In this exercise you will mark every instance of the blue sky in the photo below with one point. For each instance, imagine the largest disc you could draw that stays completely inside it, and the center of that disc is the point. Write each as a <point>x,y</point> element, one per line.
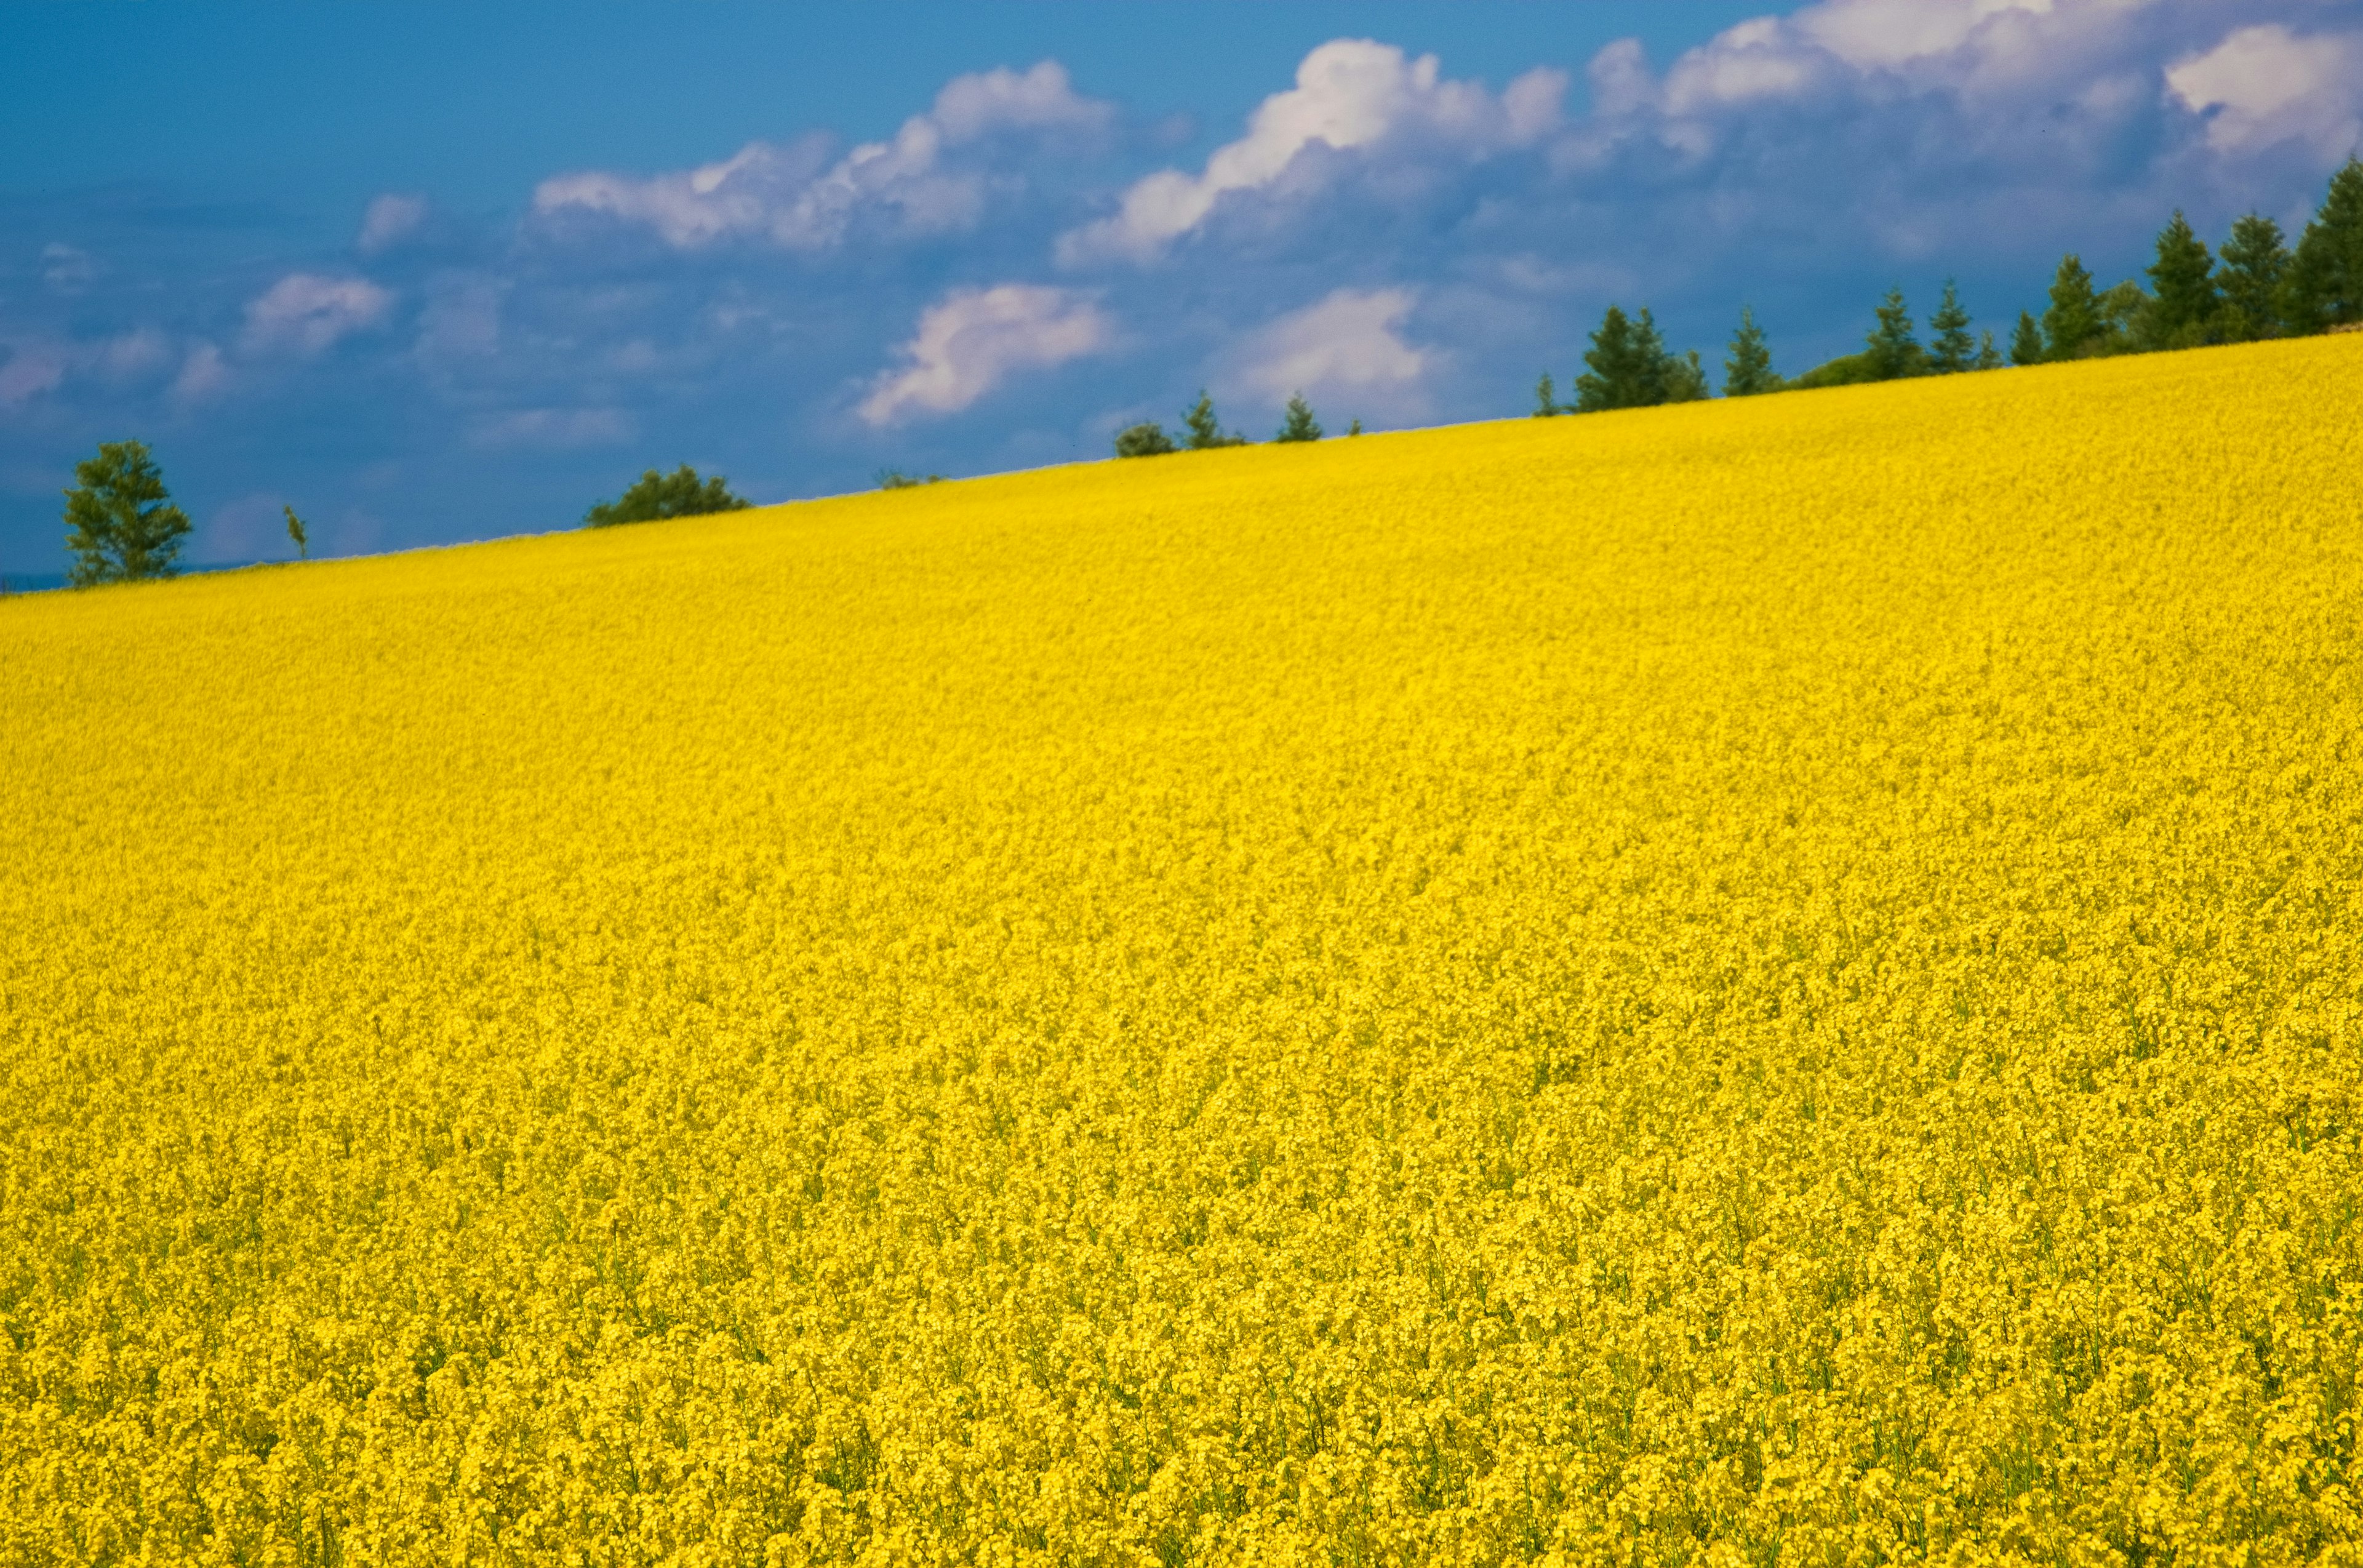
<point>440,273</point>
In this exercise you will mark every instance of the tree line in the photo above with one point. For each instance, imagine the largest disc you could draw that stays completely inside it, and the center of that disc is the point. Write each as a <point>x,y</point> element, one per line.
<point>2256,286</point>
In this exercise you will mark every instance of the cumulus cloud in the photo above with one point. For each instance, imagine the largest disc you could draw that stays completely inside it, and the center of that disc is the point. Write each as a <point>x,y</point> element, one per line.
<point>1348,341</point>
<point>2266,85</point>
<point>202,374</point>
<point>306,313</point>
<point>555,429</point>
<point>801,199</point>
<point>29,371</point>
<point>66,268</point>
<point>1349,94</point>
<point>390,219</point>
<point>971,340</point>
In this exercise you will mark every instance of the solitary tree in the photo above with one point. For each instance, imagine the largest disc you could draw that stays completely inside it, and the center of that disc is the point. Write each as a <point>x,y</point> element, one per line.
<point>2324,285</point>
<point>1546,399</point>
<point>656,496</point>
<point>2072,324</point>
<point>1891,350</point>
<point>2183,277</point>
<point>1748,369</point>
<point>1144,440</point>
<point>1300,425</point>
<point>1950,348</point>
<point>1356,427</point>
<point>1205,430</point>
<point>2255,262</point>
<point>121,524</point>
<point>295,531</point>
<point>2027,341</point>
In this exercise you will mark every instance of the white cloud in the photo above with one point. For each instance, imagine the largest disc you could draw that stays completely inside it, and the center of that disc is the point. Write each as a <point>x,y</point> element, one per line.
<point>29,371</point>
<point>802,201</point>
<point>66,268</point>
<point>2265,84</point>
<point>971,340</point>
<point>390,219</point>
<point>202,374</point>
<point>555,429</point>
<point>306,313</point>
<point>1348,341</point>
<point>1350,93</point>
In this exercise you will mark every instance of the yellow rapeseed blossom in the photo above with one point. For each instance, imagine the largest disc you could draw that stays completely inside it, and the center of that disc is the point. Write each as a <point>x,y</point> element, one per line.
<point>1778,981</point>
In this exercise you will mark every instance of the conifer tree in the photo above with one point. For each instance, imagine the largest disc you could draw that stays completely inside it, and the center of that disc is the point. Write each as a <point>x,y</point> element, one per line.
<point>2073,321</point>
<point>121,523</point>
<point>2183,281</point>
<point>1748,369</point>
<point>1299,424</point>
<point>295,531</point>
<point>2324,284</point>
<point>2256,262</point>
<point>1951,349</point>
<point>1988,357</point>
<point>2027,341</point>
<point>1686,378</point>
<point>1546,399</point>
<point>1653,367</point>
<point>1205,430</point>
<point>1892,351</point>
<point>1610,366</point>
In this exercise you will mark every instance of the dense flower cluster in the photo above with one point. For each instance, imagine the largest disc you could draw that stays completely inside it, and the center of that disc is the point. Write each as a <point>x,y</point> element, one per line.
<point>1751,982</point>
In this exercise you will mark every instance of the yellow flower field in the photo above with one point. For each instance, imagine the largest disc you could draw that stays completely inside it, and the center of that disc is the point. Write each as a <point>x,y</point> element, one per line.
<point>1778,981</point>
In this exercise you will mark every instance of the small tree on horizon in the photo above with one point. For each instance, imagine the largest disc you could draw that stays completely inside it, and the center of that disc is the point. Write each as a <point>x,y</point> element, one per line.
<point>1988,357</point>
<point>1748,368</point>
<point>2027,340</point>
<point>657,497</point>
<point>121,524</point>
<point>2073,323</point>
<point>1950,348</point>
<point>1299,424</point>
<point>1546,399</point>
<point>1627,366</point>
<point>2186,304</point>
<point>295,531</point>
<point>1205,430</point>
<point>2254,264</point>
<point>1891,350</point>
<point>1144,440</point>
<point>2324,287</point>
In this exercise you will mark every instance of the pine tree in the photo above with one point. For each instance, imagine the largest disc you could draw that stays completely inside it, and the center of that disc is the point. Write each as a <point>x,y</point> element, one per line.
<point>2184,279</point>
<point>1988,357</point>
<point>121,523</point>
<point>1685,379</point>
<point>1299,424</point>
<point>1893,351</point>
<point>295,531</point>
<point>1951,349</point>
<point>2324,285</point>
<point>1748,369</point>
<point>2256,262</point>
<point>1205,430</point>
<point>2026,342</point>
<point>1356,427</point>
<point>1546,399</point>
<point>1611,373</point>
<point>1653,367</point>
<point>2073,321</point>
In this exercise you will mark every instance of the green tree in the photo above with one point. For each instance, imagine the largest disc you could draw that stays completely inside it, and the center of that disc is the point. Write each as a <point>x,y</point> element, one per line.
<point>657,497</point>
<point>2255,262</point>
<point>2071,326</point>
<point>1891,349</point>
<point>2127,316</point>
<point>2027,341</point>
<point>1546,399</point>
<point>1988,357</point>
<point>1748,368</point>
<point>1950,348</point>
<point>1299,424</point>
<point>1205,430</point>
<point>1686,378</point>
<point>121,524</point>
<point>1655,366</point>
<point>2324,284</point>
<point>295,531</point>
<point>1144,440</point>
<point>1627,366</point>
<point>2184,279</point>
<point>1356,427</point>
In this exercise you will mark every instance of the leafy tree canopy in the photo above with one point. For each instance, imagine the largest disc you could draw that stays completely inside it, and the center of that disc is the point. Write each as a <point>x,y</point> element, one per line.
<point>121,524</point>
<point>657,497</point>
<point>1143,440</point>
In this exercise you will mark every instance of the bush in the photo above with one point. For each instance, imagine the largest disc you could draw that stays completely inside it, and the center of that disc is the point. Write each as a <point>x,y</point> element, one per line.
<point>895,479</point>
<point>657,497</point>
<point>1144,440</point>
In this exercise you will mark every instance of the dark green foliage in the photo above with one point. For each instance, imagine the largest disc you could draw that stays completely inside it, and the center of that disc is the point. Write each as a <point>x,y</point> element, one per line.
<point>895,479</point>
<point>1546,399</point>
<point>1950,348</point>
<point>657,497</point>
<point>1988,357</point>
<point>2027,341</point>
<point>1205,430</point>
<point>296,531</point>
<point>1355,428</point>
<point>2184,279</point>
<point>2126,314</point>
<point>1892,350</point>
<point>2324,284</point>
<point>1748,369</point>
<point>1299,424</point>
<point>121,524</point>
<point>1848,370</point>
<point>1627,366</point>
<point>2255,262</point>
<point>1144,440</point>
<point>1686,378</point>
<point>2071,326</point>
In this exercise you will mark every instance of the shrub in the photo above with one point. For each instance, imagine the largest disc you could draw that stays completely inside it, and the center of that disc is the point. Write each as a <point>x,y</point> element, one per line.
<point>657,497</point>
<point>1144,440</point>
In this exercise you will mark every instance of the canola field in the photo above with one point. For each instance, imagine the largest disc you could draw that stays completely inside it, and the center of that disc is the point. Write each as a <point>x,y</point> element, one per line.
<point>1773,982</point>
